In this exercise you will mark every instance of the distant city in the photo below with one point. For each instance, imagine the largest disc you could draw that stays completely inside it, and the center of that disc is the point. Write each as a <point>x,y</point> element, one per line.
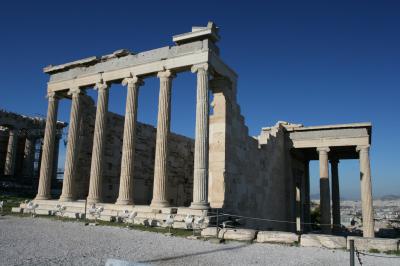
<point>386,213</point>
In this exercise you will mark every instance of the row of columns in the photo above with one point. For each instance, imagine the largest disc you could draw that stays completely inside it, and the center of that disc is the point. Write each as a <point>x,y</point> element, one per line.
<point>28,155</point>
<point>125,196</point>
<point>325,192</point>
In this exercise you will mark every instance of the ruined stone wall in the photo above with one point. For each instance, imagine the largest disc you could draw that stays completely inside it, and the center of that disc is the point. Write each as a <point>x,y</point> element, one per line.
<point>249,176</point>
<point>180,164</point>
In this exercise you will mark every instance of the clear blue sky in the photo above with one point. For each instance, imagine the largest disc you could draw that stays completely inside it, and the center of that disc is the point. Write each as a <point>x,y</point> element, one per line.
<point>310,62</point>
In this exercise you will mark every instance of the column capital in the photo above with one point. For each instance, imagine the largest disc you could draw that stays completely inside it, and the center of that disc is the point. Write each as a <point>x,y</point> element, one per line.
<point>132,81</point>
<point>167,74</point>
<point>75,91</point>
<point>52,96</point>
<point>362,148</point>
<point>196,68</point>
<point>101,86</point>
<point>323,149</point>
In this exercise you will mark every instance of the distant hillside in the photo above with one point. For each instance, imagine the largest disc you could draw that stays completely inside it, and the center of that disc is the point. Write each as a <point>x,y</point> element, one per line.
<point>385,198</point>
<point>390,197</point>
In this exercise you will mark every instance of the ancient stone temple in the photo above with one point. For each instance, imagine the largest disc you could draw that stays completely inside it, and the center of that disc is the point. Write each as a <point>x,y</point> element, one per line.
<point>121,164</point>
<point>21,147</point>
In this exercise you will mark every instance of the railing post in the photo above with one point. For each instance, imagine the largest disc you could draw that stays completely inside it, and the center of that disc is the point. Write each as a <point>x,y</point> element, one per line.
<point>351,252</point>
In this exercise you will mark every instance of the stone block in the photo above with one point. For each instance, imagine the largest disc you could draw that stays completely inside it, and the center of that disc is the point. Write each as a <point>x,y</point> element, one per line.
<point>326,241</point>
<point>310,240</point>
<point>277,237</point>
<point>367,243</point>
<point>238,234</point>
<point>209,232</point>
<point>17,210</point>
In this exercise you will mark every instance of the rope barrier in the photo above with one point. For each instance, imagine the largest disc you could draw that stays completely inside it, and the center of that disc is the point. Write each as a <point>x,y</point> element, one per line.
<point>378,256</point>
<point>276,221</point>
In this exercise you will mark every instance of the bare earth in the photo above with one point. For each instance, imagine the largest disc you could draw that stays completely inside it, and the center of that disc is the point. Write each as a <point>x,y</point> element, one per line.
<point>39,241</point>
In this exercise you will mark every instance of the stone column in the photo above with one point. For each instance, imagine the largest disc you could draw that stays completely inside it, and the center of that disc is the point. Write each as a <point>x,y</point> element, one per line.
<point>307,201</point>
<point>335,195</point>
<point>366,192</point>
<point>46,165</point>
<point>29,156</point>
<point>160,197</point>
<point>200,200</point>
<point>325,197</point>
<point>125,195</point>
<point>96,170</point>
<point>298,208</point>
<point>56,153</point>
<point>9,166</point>
<point>71,158</point>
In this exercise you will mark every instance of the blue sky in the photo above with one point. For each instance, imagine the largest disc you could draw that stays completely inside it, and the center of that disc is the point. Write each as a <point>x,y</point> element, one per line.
<point>310,62</point>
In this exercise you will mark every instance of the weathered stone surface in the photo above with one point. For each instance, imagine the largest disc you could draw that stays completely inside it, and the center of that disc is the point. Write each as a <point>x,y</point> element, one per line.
<point>310,240</point>
<point>367,243</point>
<point>238,234</point>
<point>277,237</point>
<point>327,241</point>
<point>209,232</point>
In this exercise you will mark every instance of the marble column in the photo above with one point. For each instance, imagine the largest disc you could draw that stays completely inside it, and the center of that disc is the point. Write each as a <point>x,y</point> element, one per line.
<point>366,192</point>
<point>335,195</point>
<point>325,197</point>
<point>29,156</point>
<point>9,167</point>
<point>96,170</point>
<point>46,165</point>
<point>125,195</point>
<point>200,178</point>
<point>71,158</point>
<point>307,201</point>
<point>160,197</point>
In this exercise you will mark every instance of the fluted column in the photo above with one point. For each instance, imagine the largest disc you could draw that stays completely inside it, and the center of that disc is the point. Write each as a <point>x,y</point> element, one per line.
<point>200,178</point>
<point>325,196</point>
<point>160,198</point>
<point>46,165</point>
<point>71,159</point>
<point>335,195</point>
<point>29,156</point>
<point>96,170</point>
<point>125,195</point>
<point>9,167</point>
<point>366,192</point>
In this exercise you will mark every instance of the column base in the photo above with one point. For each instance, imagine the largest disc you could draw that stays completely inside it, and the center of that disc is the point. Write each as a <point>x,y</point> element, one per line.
<point>41,197</point>
<point>66,198</point>
<point>124,202</point>
<point>159,203</point>
<point>200,205</point>
<point>93,200</point>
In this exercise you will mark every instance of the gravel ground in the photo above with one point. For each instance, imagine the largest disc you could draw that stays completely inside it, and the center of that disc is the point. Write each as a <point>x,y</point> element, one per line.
<point>40,241</point>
